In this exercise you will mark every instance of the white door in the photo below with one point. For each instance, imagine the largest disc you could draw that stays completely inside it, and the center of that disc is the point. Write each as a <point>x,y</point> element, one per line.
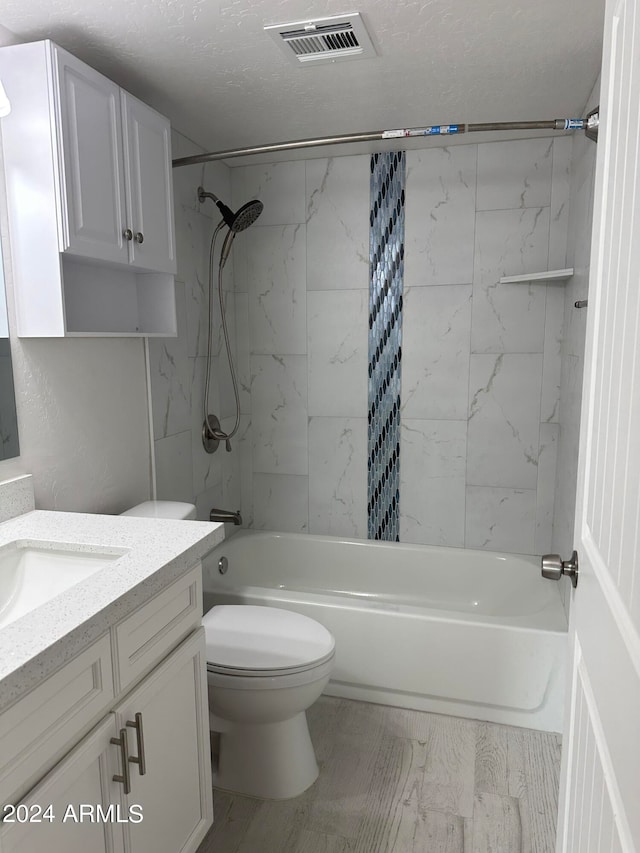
<point>600,781</point>
<point>94,203</point>
<point>172,731</point>
<point>85,777</point>
<point>150,186</point>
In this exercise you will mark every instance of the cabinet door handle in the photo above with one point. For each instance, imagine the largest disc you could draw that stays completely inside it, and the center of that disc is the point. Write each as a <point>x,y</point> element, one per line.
<point>127,234</point>
<point>125,778</point>
<point>138,759</point>
<point>139,237</point>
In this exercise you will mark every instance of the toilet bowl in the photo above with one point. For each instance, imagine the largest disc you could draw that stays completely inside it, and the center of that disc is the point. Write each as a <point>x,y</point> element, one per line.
<point>265,667</point>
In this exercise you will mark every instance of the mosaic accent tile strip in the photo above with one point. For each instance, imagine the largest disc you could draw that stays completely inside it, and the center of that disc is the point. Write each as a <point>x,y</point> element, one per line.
<point>386,273</point>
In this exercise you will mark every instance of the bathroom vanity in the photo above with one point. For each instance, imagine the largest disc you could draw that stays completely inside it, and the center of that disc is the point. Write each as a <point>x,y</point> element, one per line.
<point>104,735</point>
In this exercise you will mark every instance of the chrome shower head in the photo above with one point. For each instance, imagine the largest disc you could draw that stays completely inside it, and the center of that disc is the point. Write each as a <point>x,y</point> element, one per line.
<point>240,220</point>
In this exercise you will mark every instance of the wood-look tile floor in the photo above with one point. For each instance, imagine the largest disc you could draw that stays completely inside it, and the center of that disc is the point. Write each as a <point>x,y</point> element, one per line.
<point>398,781</point>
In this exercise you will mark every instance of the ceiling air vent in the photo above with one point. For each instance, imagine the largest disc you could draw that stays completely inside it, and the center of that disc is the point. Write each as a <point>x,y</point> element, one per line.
<point>324,39</point>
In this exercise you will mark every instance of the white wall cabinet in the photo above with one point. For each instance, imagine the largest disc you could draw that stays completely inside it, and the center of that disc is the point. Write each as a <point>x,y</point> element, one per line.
<point>150,186</point>
<point>93,207</point>
<point>150,750</point>
<point>90,198</point>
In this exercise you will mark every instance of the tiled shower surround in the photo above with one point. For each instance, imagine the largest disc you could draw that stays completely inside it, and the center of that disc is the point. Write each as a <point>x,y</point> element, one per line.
<point>480,360</point>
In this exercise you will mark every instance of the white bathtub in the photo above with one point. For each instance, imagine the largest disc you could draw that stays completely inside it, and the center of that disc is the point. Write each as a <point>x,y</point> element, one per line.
<point>471,633</point>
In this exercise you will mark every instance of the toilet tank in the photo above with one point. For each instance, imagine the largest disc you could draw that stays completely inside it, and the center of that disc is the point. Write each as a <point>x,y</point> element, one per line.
<point>163,509</point>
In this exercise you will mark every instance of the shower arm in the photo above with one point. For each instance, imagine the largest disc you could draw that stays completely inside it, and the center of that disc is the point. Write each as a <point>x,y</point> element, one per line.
<point>589,124</point>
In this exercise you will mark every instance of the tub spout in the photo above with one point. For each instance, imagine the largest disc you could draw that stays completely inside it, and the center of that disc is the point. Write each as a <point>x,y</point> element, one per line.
<point>225,515</point>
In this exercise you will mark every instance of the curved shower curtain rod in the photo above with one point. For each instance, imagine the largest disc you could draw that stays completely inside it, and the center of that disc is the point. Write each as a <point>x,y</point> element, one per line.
<point>588,124</point>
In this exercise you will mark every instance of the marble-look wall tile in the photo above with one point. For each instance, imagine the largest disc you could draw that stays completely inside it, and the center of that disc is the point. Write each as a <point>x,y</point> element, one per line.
<point>192,232</point>
<point>338,476</point>
<point>245,452</point>
<point>552,355</point>
<point>432,481</point>
<point>509,317</point>
<point>337,198</point>
<point>567,463</point>
<point>547,461</point>
<point>174,481</point>
<point>504,411</point>
<point>276,268</point>
<point>440,216</point>
<point>501,519</point>
<point>206,466</point>
<point>192,229</point>
<point>243,351</point>
<point>170,377</point>
<point>230,467</point>
<point>560,194</point>
<point>225,383</point>
<point>514,174</point>
<point>279,186</point>
<point>279,414</point>
<point>281,502</point>
<point>239,254</point>
<point>337,326</point>
<point>205,501</point>
<point>435,352</point>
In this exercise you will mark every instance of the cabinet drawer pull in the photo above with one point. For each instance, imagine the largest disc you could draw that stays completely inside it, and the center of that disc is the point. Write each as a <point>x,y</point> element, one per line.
<point>138,759</point>
<point>125,778</point>
<point>127,234</point>
<point>139,237</point>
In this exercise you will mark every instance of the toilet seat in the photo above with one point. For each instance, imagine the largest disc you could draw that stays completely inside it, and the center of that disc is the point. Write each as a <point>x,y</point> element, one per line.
<point>233,679</point>
<point>264,642</point>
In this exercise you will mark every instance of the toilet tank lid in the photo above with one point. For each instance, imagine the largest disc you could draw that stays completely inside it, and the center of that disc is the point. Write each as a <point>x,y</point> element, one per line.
<point>163,509</point>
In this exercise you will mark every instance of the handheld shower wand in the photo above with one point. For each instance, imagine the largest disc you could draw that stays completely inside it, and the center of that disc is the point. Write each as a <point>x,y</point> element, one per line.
<point>212,434</point>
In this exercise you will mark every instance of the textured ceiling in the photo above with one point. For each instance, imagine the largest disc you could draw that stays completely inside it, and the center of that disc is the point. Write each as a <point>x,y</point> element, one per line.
<point>223,82</point>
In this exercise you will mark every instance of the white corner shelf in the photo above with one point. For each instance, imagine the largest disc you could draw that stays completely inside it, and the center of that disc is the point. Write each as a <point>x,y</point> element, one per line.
<point>549,275</point>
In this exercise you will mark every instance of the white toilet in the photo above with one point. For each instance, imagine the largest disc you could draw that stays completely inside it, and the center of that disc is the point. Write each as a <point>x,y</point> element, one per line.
<point>265,667</point>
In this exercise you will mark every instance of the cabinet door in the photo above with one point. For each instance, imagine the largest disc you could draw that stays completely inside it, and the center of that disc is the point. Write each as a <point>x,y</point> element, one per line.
<point>149,186</point>
<point>175,793</point>
<point>92,162</point>
<point>84,778</point>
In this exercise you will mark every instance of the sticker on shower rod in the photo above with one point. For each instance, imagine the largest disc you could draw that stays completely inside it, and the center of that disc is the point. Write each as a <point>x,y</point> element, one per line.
<point>386,273</point>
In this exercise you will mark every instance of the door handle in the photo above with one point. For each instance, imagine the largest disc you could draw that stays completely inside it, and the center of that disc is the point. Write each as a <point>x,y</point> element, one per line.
<point>554,568</point>
<point>125,777</point>
<point>138,759</point>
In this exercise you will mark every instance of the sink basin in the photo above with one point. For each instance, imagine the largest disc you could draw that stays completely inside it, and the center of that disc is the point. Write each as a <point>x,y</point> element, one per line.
<point>32,574</point>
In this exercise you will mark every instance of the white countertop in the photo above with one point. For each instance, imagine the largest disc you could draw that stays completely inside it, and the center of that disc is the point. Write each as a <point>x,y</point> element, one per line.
<point>158,552</point>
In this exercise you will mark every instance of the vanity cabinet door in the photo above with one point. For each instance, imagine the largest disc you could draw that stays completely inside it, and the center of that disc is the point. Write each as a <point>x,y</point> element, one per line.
<point>172,731</point>
<point>83,778</point>
<point>149,186</point>
<point>93,205</point>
